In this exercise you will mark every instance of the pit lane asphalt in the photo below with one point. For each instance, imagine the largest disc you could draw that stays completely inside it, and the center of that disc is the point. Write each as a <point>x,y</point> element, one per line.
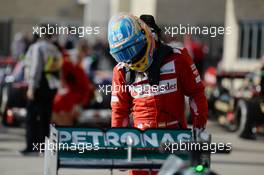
<point>246,158</point>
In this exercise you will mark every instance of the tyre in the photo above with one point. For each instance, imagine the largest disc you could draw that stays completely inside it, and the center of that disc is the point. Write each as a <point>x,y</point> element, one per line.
<point>4,104</point>
<point>240,118</point>
<point>248,119</point>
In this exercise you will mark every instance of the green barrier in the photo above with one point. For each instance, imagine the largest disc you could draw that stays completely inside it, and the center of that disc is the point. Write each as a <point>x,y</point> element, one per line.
<point>115,148</point>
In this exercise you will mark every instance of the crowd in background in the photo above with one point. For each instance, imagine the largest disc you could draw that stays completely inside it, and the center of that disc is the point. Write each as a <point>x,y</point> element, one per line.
<point>61,77</point>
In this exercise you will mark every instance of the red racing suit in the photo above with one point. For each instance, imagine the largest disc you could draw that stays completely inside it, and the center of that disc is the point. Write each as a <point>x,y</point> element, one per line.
<point>162,106</point>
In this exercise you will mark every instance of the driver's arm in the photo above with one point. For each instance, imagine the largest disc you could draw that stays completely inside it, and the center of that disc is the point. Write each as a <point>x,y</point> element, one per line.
<point>121,100</point>
<point>193,87</point>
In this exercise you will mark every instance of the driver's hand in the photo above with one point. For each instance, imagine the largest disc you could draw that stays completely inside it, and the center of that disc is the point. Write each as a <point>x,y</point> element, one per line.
<point>201,134</point>
<point>198,132</point>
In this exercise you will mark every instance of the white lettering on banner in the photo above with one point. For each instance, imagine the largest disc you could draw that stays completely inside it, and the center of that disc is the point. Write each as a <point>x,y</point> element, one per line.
<point>145,90</point>
<point>183,137</point>
<point>115,139</point>
<point>167,138</point>
<point>136,139</point>
<point>65,136</point>
<point>95,135</point>
<point>153,140</point>
<point>78,137</point>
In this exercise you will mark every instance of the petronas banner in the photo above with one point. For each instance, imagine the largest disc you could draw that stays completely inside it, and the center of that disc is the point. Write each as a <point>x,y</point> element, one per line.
<point>117,137</point>
<point>114,148</point>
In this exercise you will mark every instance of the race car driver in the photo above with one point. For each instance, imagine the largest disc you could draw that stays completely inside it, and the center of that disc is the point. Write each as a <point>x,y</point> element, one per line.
<point>151,79</point>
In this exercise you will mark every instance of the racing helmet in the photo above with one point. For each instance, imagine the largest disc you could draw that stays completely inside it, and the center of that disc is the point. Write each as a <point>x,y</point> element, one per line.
<point>131,41</point>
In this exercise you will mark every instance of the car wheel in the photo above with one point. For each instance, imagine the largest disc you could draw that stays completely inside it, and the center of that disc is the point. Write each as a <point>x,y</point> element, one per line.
<point>241,116</point>
<point>4,105</point>
<point>4,100</point>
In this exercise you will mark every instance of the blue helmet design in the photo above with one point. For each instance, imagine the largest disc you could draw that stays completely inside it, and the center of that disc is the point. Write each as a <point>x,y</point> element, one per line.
<point>126,37</point>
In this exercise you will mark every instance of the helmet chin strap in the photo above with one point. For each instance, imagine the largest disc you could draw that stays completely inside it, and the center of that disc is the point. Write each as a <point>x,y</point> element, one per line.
<point>147,67</point>
<point>153,70</point>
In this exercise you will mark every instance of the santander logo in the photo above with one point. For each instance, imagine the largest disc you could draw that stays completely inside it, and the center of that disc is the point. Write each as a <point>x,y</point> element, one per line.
<point>169,86</point>
<point>145,90</point>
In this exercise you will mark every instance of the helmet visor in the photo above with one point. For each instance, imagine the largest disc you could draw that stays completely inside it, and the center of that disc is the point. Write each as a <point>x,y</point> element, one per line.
<point>129,54</point>
<point>140,62</point>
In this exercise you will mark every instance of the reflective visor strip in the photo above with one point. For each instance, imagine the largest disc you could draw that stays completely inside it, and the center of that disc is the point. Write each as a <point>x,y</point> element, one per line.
<point>129,53</point>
